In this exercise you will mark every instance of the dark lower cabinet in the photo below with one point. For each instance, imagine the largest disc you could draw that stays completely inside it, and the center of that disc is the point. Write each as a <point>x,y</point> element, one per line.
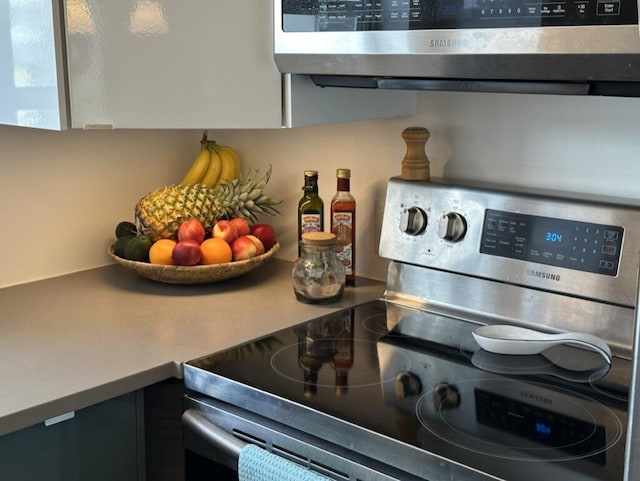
<point>163,431</point>
<point>134,437</point>
<point>104,442</point>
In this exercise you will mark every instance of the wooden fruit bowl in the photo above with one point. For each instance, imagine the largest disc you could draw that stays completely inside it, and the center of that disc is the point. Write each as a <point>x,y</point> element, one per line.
<point>194,274</point>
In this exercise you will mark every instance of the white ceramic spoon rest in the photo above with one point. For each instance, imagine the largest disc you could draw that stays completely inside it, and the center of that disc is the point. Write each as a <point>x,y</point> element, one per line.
<point>507,339</point>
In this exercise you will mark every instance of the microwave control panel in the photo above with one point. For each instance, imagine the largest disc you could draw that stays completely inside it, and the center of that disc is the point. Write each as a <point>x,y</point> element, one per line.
<point>404,15</point>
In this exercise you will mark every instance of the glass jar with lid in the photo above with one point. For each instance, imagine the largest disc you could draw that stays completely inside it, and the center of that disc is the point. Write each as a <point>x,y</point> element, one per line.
<point>318,275</point>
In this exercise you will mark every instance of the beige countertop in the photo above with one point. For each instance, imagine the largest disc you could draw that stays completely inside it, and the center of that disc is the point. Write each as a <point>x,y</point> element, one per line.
<point>79,339</point>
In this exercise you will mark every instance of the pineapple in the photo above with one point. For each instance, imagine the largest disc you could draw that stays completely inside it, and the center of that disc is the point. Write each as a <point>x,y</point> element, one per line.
<point>159,213</point>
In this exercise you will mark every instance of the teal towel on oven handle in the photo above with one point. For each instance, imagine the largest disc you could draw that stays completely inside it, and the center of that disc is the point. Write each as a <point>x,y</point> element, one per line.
<point>257,464</point>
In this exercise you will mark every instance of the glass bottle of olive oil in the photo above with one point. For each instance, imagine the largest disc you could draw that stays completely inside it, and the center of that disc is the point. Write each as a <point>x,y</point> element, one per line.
<point>310,207</point>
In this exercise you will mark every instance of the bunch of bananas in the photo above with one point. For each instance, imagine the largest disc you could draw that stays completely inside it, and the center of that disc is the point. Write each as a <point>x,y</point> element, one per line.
<point>213,165</point>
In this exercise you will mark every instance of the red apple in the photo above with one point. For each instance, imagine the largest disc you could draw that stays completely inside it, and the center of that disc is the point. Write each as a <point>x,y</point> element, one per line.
<point>243,248</point>
<point>265,233</point>
<point>225,229</point>
<point>242,225</point>
<point>258,243</point>
<point>191,229</point>
<point>186,253</point>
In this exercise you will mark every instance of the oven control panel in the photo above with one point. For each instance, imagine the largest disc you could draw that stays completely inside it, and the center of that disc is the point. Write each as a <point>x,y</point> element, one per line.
<point>565,242</point>
<point>556,242</point>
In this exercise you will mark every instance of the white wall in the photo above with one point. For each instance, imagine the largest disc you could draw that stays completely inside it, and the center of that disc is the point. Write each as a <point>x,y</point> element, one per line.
<point>62,193</point>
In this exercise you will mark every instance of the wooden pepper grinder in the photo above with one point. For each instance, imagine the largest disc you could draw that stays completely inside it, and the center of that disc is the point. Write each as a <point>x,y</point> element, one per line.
<point>415,165</point>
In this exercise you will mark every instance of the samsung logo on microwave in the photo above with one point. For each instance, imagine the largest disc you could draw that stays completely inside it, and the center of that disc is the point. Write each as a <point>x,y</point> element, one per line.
<point>448,43</point>
<point>543,275</point>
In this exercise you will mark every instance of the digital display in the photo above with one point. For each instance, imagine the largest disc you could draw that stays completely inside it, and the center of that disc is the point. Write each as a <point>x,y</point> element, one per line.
<point>553,237</point>
<point>543,428</point>
<point>565,243</point>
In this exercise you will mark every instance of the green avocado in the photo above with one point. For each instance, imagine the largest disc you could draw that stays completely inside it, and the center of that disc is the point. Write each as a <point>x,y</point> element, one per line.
<point>119,245</point>
<point>137,249</point>
<point>126,228</point>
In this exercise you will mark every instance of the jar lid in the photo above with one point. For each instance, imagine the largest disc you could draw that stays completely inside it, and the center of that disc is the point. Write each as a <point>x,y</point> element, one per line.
<point>319,238</point>
<point>343,173</point>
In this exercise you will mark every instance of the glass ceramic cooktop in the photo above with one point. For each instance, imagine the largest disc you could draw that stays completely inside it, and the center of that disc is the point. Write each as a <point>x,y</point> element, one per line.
<point>514,417</point>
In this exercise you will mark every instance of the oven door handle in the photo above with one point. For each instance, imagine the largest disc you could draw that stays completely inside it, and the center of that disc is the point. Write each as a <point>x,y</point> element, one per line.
<point>215,436</point>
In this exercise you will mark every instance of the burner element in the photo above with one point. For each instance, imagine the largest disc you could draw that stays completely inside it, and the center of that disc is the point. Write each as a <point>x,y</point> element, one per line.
<point>519,421</point>
<point>364,372</point>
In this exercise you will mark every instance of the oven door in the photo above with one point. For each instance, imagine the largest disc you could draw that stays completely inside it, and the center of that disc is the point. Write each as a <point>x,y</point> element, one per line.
<point>215,433</point>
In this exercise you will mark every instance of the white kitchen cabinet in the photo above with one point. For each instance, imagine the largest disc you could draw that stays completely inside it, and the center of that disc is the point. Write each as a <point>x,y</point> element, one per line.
<point>162,64</point>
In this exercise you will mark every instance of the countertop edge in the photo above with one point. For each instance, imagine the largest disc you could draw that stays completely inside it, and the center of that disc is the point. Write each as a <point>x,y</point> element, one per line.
<point>98,334</point>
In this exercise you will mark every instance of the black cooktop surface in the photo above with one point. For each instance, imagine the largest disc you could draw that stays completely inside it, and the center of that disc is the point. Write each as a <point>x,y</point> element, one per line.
<point>354,380</point>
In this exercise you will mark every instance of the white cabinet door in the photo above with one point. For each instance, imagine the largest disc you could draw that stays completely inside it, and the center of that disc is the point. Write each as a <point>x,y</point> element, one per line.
<point>32,74</point>
<point>172,64</point>
<point>161,64</point>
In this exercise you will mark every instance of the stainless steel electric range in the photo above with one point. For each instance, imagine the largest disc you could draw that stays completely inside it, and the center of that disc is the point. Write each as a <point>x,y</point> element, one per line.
<point>399,389</point>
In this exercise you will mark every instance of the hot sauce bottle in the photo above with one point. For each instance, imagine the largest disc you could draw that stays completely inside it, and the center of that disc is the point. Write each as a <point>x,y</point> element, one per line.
<point>343,224</point>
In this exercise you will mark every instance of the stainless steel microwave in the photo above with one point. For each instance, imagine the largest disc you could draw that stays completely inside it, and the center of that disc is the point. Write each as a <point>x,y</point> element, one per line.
<point>545,46</point>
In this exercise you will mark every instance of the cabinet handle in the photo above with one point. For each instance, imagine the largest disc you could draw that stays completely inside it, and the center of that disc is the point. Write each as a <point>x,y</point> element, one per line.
<point>60,418</point>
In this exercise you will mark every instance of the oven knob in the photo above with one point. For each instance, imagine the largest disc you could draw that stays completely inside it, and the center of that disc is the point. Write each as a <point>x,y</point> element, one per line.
<point>452,227</point>
<point>413,221</point>
<point>407,385</point>
<point>445,396</point>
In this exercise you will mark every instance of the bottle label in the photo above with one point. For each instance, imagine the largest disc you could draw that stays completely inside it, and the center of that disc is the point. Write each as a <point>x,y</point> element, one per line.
<point>310,223</point>
<point>342,223</point>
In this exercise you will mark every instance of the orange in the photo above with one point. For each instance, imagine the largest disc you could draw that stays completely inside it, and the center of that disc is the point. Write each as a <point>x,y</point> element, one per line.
<point>160,252</point>
<point>215,251</point>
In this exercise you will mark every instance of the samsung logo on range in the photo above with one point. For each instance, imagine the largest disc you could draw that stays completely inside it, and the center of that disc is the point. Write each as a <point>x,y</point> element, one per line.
<point>543,275</point>
<point>536,397</point>
<point>448,43</point>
